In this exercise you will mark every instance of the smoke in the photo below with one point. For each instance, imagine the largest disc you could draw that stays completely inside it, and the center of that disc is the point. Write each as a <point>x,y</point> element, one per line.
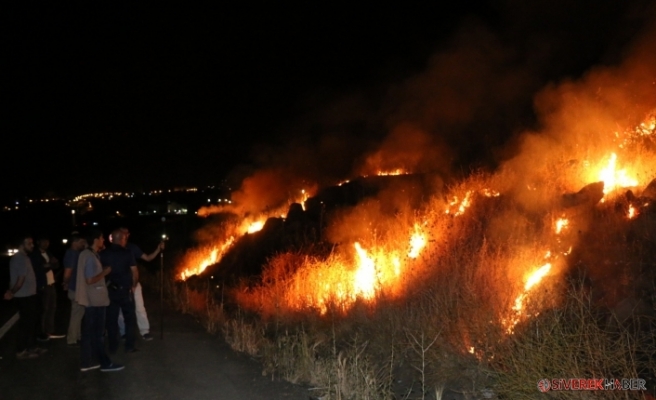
<point>580,120</point>
<point>470,105</point>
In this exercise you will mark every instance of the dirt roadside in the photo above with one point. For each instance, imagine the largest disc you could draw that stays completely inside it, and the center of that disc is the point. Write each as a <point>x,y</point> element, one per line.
<point>187,363</point>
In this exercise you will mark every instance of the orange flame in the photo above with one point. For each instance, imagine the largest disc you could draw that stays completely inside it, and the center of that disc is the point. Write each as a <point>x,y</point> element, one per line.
<point>417,242</point>
<point>613,178</point>
<point>255,227</point>
<point>462,205</point>
<point>632,212</point>
<point>535,278</point>
<point>365,276</point>
<point>336,281</point>
<point>398,171</point>
<point>560,224</point>
<point>196,262</point>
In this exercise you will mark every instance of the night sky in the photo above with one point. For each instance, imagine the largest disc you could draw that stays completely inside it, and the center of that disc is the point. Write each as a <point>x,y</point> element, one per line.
<point>108,98</point>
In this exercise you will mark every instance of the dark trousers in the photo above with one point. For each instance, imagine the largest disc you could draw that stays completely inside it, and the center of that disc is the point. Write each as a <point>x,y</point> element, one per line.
<point>27,323</point>
<point>48,306</point>
<point>121,302</point>
<point>92,347</point>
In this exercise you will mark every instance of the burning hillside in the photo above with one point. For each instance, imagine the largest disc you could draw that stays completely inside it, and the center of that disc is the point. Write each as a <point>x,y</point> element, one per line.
<point>567,208</point>
<point>384,241</point>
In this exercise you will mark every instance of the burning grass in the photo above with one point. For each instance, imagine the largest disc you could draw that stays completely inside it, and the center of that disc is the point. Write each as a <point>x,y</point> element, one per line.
<point>472,290</point>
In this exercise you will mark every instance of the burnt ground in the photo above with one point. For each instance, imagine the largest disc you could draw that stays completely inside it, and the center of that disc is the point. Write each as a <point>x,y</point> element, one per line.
<point>187,363</point>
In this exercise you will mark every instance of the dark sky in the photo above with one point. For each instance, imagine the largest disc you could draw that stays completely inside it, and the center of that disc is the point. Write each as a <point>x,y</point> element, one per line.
<point>139,97</point>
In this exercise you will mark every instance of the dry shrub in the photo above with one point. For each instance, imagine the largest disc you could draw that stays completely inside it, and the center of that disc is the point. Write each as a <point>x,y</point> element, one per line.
<point>572,341</point>
<point>244,336</point>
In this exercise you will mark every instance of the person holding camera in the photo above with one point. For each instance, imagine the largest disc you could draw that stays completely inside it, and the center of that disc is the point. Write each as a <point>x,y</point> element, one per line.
<point>120,284</point>
<point>142,316</point>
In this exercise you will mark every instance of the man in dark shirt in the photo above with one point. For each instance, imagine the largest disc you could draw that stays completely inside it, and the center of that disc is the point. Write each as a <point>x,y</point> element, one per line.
<point>142,316</point>
<point>121,282</point>
<point>45,265</point>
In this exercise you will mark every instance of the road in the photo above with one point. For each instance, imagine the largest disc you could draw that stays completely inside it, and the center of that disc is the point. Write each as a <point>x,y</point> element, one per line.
<point>187,363</point>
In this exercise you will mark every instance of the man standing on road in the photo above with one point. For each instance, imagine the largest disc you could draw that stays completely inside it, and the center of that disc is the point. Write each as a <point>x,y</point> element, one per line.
<point>142,316</point>
<point>23,290</point>
<point>78,244</point>
<point>45,264</point>
<point>121,283</point>
<point>91,293</point>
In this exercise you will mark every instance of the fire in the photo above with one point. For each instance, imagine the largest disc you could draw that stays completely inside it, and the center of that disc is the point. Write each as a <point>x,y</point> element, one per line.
<point>255,227</point>
<point>462,205</point>
<point>490,193</point>
<point>341,279</point>
<point>535,278</point>
<point>560,224</point>
<point>613,178</point>
<point>365,276</point>
<point>398,171</point>
<point>632,212</point>
<point>304,197</point>
<point>417,242</point>
<point>199,260</point>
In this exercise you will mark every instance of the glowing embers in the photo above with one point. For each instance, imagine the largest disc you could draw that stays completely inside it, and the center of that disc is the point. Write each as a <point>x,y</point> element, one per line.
<point>614,178</point>
<point>490,193</point>
<point>198,260</point>
<point>457,207</point>
<point>645,129</point>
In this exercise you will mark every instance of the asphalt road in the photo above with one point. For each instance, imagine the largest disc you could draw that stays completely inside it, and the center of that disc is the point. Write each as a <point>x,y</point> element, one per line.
<point>187,363</point>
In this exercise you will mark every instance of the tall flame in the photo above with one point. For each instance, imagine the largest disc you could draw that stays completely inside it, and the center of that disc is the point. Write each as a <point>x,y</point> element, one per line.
<point>613,178</point>
<point>365,276</point>
<point>533,279</point>
<point>417,242</point>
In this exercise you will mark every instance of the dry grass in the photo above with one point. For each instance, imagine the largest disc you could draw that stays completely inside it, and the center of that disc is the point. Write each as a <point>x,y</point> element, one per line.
<point>573,341</point>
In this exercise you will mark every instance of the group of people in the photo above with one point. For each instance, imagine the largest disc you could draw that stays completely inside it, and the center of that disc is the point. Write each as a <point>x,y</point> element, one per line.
<point>104,289</point>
